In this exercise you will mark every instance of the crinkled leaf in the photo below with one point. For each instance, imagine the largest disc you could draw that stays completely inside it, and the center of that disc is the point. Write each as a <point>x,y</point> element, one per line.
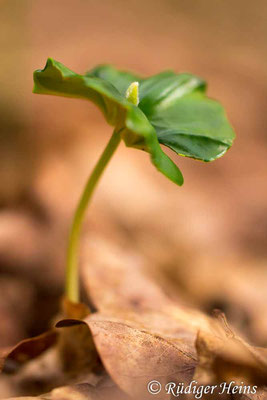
<point>223,354</point>
<point>137,322</point>
<point>135,129</point>
<point>126,340</point>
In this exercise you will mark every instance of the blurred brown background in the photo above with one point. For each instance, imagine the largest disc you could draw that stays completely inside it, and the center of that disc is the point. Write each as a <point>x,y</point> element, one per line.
<point>205,242</point>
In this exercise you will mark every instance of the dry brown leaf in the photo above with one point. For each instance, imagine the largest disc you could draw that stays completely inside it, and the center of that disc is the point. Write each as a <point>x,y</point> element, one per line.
<point>68,360</point>
<point>12,358</point>
<point>138,324</point>
<point>104,390</point>
<point>76,347</point>
<point>142,335</point>
<point>136,349</point>
<point>115,277</point>
<point>139,345</point>
<point>43,374</point>
<point>73,356</point>
<point>223,356</point>
<point>242,283</point>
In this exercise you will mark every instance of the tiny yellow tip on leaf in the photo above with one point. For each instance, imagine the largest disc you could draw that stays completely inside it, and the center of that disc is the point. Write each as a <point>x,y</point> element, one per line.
<point>132,93</point>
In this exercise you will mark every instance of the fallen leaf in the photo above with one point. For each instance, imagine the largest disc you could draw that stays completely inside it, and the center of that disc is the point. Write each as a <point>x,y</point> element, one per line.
<point>136,349</point>
<point>76,347</point>
<point>115,277</point>
<point>224,356</point>
<point>143,335</point>
<point>12,358</point>
<point>104,390</point>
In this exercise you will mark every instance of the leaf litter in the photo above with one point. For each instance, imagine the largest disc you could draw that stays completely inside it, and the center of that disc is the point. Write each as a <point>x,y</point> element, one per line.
<point>138,333</point>
<point>141,330</point>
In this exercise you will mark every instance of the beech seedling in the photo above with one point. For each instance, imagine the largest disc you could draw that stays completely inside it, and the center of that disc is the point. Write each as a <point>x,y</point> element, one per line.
<point>168,108</point>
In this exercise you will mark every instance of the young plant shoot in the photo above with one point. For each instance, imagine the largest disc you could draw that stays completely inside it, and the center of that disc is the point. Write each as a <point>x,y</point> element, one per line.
<point>168,108</point>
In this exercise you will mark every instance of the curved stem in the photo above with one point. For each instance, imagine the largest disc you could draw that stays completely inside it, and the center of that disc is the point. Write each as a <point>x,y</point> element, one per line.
<point>72,275</point>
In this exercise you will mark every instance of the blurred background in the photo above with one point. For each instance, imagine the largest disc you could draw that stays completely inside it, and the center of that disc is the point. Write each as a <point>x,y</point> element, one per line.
<point>204,243</point>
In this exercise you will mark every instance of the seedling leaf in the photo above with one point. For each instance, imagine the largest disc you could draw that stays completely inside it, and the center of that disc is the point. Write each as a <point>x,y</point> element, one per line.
<point>127,118</point>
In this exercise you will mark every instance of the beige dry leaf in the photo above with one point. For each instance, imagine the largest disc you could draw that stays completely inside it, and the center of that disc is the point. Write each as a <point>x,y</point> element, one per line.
<point>75,345</point>
<point>224,356</point>
<point>12,358</point>
<point>104,389</point>
<point>141,334</point>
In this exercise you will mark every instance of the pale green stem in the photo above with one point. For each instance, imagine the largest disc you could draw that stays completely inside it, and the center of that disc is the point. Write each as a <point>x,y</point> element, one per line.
<point>72,273</point>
